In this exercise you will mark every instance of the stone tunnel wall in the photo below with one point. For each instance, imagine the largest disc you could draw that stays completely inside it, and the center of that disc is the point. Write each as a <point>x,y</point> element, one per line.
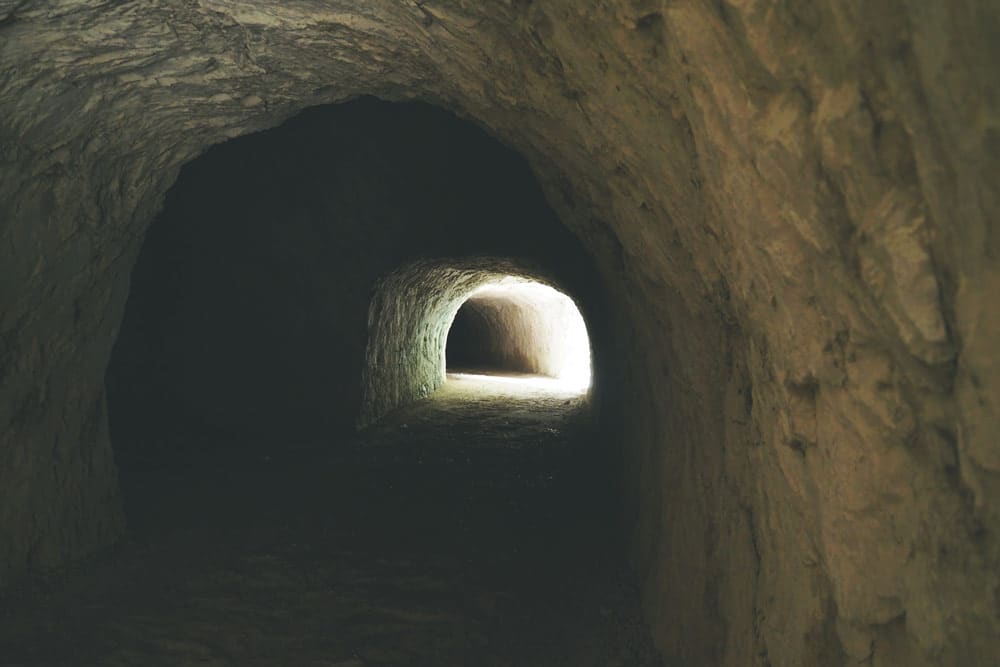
<point>792,204</point>
<point>408,321</point>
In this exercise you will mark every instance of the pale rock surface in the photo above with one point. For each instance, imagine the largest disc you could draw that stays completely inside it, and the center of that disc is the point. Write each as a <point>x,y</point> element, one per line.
<point>793,204</point>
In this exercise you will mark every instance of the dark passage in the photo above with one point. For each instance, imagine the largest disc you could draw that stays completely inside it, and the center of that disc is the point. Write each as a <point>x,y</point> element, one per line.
<point>479,526</point>
<point>473,528</point>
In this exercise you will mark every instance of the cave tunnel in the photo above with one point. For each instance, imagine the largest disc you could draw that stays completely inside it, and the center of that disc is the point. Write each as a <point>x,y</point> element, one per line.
<point>235,239</point>
<point>304,281</point>
<point>523,327</point>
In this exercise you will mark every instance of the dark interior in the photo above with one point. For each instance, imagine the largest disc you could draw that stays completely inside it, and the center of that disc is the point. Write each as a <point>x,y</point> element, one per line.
<point>235,383</point>
<point>248,304</point>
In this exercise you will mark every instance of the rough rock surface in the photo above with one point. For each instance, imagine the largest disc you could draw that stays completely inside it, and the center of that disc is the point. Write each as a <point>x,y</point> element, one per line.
<point>411,312</point>
<point>792,203</point>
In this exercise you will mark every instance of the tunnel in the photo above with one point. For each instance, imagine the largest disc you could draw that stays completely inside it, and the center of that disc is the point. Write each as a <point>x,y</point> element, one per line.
<point>520,327</point>
<point>288,323</point>
<point>256,271</point>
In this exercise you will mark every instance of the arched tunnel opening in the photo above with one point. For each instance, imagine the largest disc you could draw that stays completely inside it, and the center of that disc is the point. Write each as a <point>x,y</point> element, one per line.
<point>514,326</point>
<point>312,279</point>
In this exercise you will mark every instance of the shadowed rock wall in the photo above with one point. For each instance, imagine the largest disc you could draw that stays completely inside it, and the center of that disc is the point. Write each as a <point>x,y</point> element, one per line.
<point>792,204</point>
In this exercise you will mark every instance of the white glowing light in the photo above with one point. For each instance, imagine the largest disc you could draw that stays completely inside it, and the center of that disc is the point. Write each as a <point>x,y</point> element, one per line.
<point>526,382</point>
<point>566,343</point>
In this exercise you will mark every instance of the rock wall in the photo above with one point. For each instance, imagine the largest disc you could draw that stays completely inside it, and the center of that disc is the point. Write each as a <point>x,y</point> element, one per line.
<point>791,204</point>
<point>408,322</point>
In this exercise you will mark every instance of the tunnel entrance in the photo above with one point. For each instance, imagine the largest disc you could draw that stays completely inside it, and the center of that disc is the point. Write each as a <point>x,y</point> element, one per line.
<point>515,328</point>
<point>518,319</point>
<point>292,278</point>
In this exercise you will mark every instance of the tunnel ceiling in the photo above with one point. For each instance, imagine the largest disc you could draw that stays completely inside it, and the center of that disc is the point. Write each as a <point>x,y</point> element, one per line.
<point>792,205</point>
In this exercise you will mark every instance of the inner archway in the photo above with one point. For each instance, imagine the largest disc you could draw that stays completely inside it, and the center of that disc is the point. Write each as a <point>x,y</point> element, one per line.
<point>521,326</point>
<point>413,309</point>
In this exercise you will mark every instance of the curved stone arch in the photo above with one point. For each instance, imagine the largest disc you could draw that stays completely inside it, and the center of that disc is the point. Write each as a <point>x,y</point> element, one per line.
<point>521,326</point>
<point>411,312</point>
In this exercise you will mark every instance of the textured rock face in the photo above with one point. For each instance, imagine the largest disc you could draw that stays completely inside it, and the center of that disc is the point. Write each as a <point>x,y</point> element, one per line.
<point>408,323</point>
<point>792,205</point>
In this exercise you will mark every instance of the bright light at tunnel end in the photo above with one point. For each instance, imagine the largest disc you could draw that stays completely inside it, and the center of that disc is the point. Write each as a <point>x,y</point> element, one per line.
<point>552,384</point>
<point>570,342</point>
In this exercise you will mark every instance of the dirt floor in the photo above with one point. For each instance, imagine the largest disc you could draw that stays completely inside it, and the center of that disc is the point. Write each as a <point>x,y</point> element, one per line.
<point>476,528</point>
